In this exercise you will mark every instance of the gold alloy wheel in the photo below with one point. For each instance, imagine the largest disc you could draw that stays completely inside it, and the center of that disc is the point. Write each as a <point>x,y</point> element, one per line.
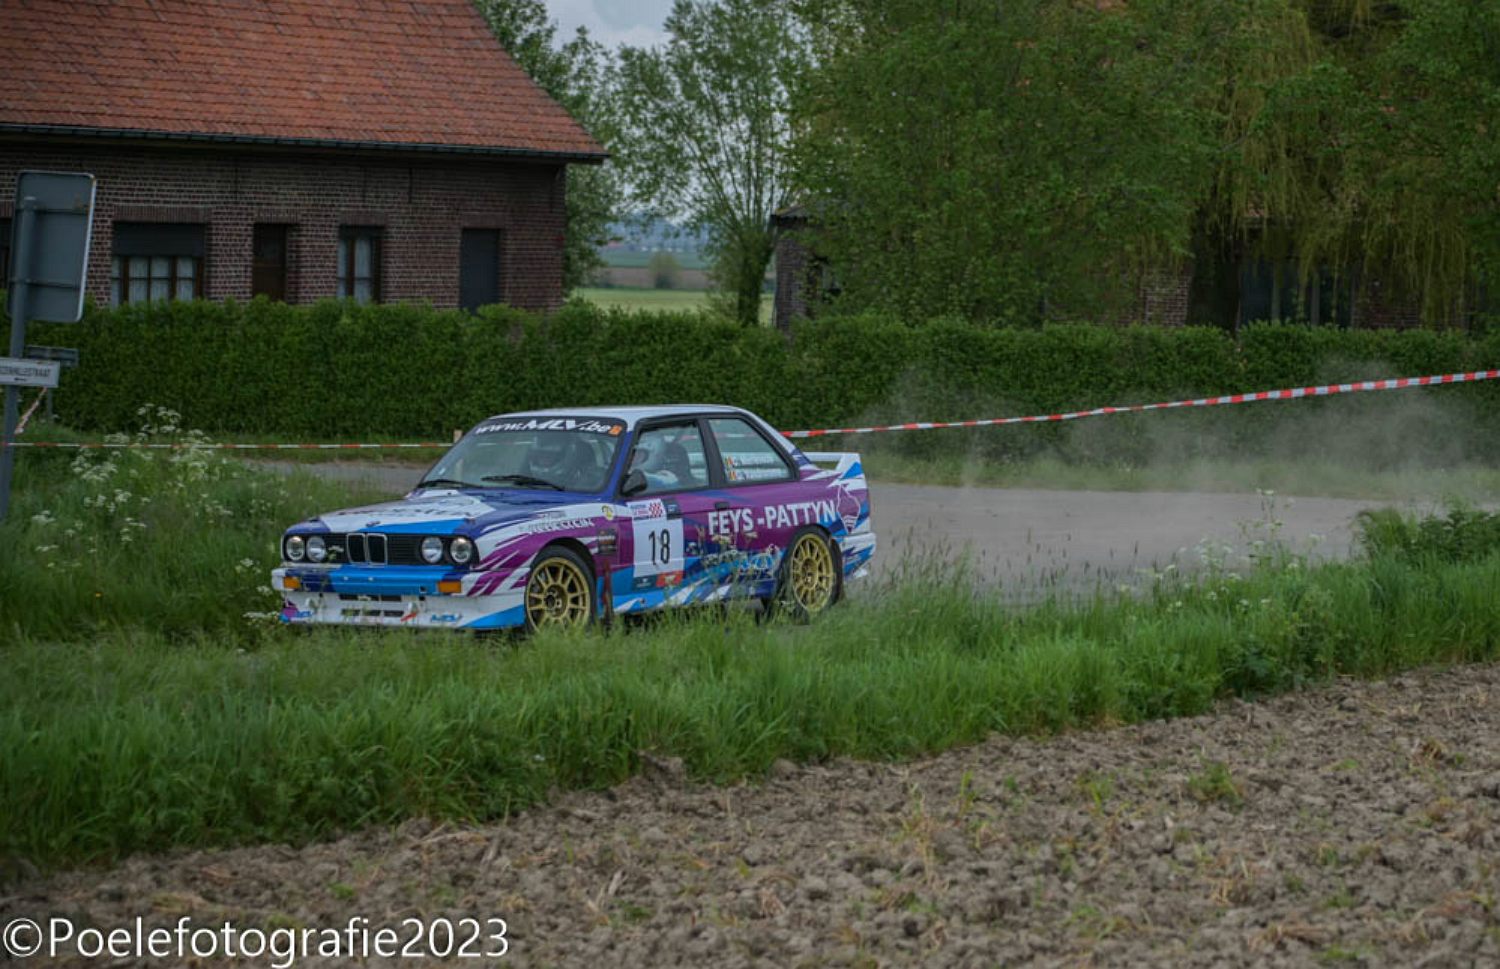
<point>558,594</point>
<point>811,573</point>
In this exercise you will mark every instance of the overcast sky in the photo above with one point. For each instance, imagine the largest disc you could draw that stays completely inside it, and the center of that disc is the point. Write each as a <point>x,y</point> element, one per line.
<point>612,22</point>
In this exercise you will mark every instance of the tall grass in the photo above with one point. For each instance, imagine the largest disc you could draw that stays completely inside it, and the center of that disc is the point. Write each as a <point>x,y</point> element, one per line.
<point>180,542</point>
<point>1463,534</point>
<point>140,710</point>
<point>131,742</point>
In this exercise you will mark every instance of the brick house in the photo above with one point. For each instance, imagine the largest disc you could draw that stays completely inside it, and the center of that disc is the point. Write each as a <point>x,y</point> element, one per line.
<point>373,149</point>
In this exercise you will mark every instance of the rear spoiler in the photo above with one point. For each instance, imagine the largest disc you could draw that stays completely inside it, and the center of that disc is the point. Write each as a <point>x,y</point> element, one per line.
<point>846,463</point>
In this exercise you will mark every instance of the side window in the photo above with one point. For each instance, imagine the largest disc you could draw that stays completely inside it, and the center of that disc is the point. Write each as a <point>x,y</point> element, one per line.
<point>671,457</point>
<point>748,457</point>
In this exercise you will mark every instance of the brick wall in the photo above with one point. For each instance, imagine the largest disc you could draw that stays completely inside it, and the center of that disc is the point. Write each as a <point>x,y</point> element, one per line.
<point>421,202</point>
<point>1375,309</point>
<point>791,301</point>
<point>1163,297</point>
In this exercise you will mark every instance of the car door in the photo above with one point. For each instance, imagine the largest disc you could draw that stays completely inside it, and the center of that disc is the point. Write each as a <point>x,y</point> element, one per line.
<point>661,562</point>
<point>747,525</point>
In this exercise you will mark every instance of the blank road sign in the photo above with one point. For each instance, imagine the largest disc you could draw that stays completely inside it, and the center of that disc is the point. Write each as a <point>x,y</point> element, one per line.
<point>57,252</point>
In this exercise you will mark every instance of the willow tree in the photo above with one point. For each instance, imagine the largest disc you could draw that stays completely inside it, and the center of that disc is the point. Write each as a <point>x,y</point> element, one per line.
<point>707,130</point>
<point>1369,153</point>
<point>991,159</point>
<point>1274,117</point>
<point>1427,154</point>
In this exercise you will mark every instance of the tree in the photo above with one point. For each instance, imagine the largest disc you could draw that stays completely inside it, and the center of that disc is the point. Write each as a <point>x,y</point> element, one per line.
<point>579,75</point>
<point>1375,156</point>
<point>1427,148</point>
<point>1009,159</point>
<point>707,129</point>
<point>1004,161</point>
<point>666,271</point>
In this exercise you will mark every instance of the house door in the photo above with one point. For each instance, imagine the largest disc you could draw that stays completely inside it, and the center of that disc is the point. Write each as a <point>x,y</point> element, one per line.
<point>479,268</point>
<point>268,262</point>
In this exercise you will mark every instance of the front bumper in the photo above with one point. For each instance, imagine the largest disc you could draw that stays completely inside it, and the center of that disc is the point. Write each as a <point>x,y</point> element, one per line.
<point>403,596</point>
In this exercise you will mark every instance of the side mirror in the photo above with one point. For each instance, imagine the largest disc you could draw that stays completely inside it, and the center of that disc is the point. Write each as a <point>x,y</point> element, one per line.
<point>634,483</point>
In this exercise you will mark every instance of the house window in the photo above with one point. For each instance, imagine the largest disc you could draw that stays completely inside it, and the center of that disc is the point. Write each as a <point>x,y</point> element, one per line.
<point>268,261</point>
<point>478,268</point>
<point>156,260</point>
<point>1280,291</point>
<point>359,263</point>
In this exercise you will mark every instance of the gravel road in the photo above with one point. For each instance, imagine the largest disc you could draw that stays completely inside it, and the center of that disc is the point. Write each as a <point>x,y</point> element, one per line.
<point>1350,824</point>
<point>1026,540</point>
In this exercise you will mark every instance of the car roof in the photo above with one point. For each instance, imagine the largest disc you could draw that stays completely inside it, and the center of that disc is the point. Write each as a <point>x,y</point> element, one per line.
<point>631,415</point>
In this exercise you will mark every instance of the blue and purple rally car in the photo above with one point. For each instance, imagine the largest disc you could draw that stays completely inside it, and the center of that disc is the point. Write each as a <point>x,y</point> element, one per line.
<point>561,518</point>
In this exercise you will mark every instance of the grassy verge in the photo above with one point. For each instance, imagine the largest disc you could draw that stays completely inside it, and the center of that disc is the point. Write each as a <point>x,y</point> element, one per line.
<point>143,710</point>
<point>178,542</point>
<point>130,741</point>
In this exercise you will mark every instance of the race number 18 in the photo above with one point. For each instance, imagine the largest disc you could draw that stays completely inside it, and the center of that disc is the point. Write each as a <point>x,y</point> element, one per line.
<point>661,545</point>
<point>658,546</point>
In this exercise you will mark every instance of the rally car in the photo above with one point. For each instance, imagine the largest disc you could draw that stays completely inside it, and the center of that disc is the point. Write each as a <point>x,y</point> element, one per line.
<point>567,517</point>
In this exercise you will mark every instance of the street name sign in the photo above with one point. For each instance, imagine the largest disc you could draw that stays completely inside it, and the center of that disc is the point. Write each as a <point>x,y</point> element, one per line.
<point>29,373</point>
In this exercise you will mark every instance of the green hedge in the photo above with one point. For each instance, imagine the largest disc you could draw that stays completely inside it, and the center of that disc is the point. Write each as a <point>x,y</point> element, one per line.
<point>336,370</point>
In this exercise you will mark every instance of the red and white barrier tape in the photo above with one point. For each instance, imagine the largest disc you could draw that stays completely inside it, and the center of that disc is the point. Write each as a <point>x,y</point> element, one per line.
<point>214,446</point>
<point>1295,393</point>
<point>1325,390</point>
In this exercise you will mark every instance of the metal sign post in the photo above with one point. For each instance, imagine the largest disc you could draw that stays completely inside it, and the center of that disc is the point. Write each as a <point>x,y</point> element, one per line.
<point>49,262</point>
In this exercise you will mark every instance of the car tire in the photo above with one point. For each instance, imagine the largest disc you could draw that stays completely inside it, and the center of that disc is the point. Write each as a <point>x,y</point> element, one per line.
<point>811,578</point>
<point>559,591</point>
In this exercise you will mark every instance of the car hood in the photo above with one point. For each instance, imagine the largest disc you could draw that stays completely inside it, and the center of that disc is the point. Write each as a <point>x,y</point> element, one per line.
<point>438,511</point>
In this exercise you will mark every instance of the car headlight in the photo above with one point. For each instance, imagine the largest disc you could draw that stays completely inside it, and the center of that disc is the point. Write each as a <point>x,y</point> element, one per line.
<point>317,549</point>
<point>461,551</point>
<point>432,550</point>
<point>296,548</point>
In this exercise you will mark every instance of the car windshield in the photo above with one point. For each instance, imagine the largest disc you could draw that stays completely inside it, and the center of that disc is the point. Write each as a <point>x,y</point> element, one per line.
<point>541,454</point>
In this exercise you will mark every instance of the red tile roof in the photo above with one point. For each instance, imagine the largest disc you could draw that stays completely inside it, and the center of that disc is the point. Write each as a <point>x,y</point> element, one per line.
<point>402,73</point>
